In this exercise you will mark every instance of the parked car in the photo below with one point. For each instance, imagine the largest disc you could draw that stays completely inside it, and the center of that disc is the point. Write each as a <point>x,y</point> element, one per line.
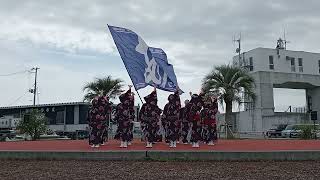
<point>294,131</point>
<point>7,134</point>
<point>291,131</point>
<point>276,131</point>
<point>82,134</point>
<point>318,134</point>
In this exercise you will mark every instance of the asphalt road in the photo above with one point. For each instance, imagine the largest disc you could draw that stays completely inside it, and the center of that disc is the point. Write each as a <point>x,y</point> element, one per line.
<point>157,170</point>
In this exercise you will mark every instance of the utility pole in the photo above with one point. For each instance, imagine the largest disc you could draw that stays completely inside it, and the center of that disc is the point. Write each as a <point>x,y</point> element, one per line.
<point>285,40</point>
<point>34,90</point>
<point>238,50</point>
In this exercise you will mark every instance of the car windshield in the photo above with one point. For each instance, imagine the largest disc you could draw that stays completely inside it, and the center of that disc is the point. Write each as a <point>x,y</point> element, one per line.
<point>290,127</point>
<point>281,127</point>
<point>274,127</point>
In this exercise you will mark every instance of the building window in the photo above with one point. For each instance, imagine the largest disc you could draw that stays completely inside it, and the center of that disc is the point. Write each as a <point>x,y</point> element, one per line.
<point>293,66</point>
<point>271,63</point>
<point>300,63</point>
<point>250,63</point>
<point>16,115</point>
<point>319,65</point>
<point>60,117</point>
<point>69,114</point>
<point>83,114</point>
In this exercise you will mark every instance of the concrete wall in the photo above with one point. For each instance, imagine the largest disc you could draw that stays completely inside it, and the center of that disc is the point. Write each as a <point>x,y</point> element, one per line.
<point>243,121</point>
<point>69,127</point>
<point>284,118</point>
<point>264,103</point>
<point>246,121</point>
<point>266,81</point>
<point>315,98</point>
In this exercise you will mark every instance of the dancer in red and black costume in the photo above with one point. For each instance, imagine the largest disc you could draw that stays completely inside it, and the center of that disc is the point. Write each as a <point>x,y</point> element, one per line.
<point>170,118</point>
<point>208,115</point>
<point>193,109</point>
<point>99,115</point>
<point>124,116</point>
<point>150,116</point>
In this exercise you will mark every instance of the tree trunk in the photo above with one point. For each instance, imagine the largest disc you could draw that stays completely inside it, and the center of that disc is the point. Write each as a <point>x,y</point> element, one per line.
<point>228,119</point>
<point>34,136</point>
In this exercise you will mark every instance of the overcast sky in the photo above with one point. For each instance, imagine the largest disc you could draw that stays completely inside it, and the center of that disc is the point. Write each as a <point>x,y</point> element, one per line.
<point>70,42</point>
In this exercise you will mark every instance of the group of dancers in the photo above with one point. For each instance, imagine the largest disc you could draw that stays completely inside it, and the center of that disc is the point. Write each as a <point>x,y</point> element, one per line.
<point>198,116</point>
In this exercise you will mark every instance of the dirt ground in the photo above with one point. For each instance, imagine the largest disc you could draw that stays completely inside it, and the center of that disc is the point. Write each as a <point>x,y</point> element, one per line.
<point>13,169</point>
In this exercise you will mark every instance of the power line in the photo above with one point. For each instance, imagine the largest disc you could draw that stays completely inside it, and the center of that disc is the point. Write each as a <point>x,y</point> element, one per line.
<point>15,73</point>
<point>31,90</point>
<point>18,98</point>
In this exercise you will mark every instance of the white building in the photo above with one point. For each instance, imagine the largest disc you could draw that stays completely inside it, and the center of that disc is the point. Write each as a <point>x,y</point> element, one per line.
<point>64,117</point>
<point>67,117</point>
<point>277,68</point>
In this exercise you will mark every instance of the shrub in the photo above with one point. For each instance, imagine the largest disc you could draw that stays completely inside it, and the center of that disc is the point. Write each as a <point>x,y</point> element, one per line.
<point>33,124</point>
<point>306,132</point>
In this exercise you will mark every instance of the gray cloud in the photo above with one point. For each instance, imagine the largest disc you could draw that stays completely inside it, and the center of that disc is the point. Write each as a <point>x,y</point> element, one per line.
<point>198,24</point>
<point>195,34</point>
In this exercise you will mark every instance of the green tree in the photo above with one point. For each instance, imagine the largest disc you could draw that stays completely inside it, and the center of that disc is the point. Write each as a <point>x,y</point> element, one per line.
<point>231,83</point>
<point>33,123</point>
<point>103,86</point>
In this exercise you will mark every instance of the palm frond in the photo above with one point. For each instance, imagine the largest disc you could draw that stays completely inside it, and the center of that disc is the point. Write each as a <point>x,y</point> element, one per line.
<point>103,86</point>
<point>230,81</point>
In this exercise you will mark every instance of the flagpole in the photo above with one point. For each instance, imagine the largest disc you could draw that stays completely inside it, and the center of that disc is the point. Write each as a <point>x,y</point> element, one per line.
<point>136,89</point>
<point>138,94</point>
<point>133,84</point>
<point>127,69</point>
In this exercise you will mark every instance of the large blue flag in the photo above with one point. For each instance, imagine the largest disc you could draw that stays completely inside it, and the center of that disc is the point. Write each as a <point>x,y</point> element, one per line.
<point>145,65</point>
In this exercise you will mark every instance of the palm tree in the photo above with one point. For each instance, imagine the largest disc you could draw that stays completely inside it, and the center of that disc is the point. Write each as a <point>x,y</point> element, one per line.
<point>231,83</point>
<point>103,86</point>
